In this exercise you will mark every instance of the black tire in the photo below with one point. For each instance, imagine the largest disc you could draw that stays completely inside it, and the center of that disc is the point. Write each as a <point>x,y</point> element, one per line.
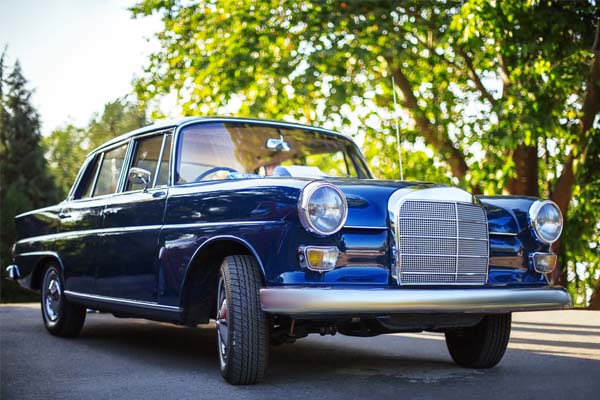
<point>242,328</point>
<point>482,345</point>
<point>61,317</point>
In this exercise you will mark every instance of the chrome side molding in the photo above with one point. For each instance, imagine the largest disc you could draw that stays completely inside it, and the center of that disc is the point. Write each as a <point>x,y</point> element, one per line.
<point>115,300</point>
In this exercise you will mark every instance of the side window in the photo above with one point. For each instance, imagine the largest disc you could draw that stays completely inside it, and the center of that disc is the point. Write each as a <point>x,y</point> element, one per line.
<point>108,179</point>
<point>86,185</point>
<point>147,152</point>
<point>163,172</point>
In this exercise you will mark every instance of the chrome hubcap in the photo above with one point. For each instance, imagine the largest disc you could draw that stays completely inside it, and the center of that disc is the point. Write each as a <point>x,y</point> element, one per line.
<point>52,296</point>
<point>222,322</point>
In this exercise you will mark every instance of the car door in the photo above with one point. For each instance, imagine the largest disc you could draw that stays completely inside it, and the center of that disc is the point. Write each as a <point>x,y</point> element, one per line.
<point>80,220</point>
<point>126,264</point>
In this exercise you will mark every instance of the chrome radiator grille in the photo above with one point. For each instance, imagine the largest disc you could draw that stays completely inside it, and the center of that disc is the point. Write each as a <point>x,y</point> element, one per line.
<point>441,243</point>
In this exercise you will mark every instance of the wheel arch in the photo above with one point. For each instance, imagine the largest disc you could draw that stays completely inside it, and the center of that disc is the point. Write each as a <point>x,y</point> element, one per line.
<point>42,259</point>
<point>198,290</point>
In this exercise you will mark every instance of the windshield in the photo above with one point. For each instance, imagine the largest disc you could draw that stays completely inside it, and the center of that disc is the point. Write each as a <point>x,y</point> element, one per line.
<point>226,150</point>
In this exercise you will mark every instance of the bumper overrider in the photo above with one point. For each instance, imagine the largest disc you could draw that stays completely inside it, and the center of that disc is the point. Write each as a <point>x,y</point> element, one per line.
<point>321,301</point>
<point>13,273</point>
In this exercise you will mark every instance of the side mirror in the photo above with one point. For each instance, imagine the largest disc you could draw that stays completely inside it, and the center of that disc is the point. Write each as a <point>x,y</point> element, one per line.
<point>139,176</point>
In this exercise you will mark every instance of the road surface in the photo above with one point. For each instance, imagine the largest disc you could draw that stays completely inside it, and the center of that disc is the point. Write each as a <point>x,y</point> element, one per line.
<point>552,355</point>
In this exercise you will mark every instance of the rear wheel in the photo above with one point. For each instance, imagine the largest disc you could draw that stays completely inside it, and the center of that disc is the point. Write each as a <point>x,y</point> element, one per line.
<point>482,345</point>
<point>242,329</point>
<point>61,317</point>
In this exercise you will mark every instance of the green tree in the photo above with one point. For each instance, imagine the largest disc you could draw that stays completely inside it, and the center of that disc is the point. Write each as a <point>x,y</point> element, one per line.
<point>65,151</point>
<point>498,97</point>
<point>118,117</point>
<point>67,147</point>
<point>24,179</point>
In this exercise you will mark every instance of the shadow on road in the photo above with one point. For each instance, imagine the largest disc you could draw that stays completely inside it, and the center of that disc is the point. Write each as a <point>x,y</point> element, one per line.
<point>416,357</point>
<point>152,360</point>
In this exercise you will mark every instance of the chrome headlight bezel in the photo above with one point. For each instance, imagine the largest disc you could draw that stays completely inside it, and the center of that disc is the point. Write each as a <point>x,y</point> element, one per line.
<point>304,202</point>
<point>534,222</point>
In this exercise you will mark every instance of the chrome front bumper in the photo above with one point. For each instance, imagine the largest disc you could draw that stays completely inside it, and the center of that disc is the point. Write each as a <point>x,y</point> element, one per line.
<point>319,301</point>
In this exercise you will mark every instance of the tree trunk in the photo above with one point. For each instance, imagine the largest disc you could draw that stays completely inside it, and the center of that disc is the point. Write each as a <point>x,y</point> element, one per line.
<point>526,168</point>
<point>595,300</point>
<point>563,190</point>
<point>436,138</point>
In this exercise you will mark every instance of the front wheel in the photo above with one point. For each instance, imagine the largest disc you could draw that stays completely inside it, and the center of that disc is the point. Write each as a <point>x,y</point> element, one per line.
<point>61,317</point>
<point>482,345</point>
<point>242,329</point>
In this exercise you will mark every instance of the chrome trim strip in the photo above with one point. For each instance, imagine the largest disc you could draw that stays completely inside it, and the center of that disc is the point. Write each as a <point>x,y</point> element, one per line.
<point>306,301</point>
<point>217,224</point>
<point>503,233</point>
<point>62,235</point>
<point>38,253</point>
<point>443,237</point>
<point>116,300</point>
<point>363,227</point>
<point>160,157</point>
<point>101,231</point>
<point>443,255</point>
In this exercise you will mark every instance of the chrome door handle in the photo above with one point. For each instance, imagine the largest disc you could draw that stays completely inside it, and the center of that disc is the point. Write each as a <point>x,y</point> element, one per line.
<point>63,215</point>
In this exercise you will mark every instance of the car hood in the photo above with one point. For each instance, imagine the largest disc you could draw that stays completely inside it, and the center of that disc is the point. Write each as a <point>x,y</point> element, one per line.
<point>368,199</point>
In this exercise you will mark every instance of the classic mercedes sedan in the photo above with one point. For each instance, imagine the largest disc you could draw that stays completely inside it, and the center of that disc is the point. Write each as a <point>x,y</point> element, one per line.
<point>275,231</point>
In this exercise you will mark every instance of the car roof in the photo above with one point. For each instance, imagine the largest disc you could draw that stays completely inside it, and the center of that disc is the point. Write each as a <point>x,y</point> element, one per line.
<point>173,123</point>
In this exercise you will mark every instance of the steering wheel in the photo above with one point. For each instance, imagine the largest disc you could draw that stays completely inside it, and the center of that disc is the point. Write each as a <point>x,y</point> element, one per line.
<point>212,171</point>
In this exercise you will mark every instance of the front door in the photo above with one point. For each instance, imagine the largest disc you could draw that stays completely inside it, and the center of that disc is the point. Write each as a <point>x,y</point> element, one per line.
<point>127,260</point>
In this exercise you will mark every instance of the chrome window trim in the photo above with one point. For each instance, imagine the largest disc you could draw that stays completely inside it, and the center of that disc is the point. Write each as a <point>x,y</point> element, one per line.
<point>78,178</point>
<point>125,167</point>
<point>533,212</point>
<point>181,126</point>
<point>159,161</point>
<point>121,301</point>
<point>121,173</point>
<point>95,181</point>
<point>99,151</point>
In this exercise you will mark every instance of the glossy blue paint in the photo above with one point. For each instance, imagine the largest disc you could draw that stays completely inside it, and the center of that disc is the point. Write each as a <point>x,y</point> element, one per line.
<point>142,245</point>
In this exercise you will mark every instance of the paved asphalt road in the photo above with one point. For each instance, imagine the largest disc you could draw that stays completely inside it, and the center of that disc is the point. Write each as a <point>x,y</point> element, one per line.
<point>552,355</point>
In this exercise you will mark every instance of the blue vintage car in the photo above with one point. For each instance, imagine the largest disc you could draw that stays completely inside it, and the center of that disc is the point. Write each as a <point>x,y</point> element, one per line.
<point>278,230</point>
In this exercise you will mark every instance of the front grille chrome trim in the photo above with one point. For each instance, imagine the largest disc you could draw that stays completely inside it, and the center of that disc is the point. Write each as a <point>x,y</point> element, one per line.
<point>424,223</point>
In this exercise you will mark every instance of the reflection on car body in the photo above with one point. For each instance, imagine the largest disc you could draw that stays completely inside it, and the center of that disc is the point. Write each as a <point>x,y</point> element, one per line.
<point>278,230</point>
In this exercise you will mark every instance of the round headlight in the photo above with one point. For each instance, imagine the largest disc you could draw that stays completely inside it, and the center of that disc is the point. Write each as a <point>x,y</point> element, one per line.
<point>546,220</point>
<point>322,208</point>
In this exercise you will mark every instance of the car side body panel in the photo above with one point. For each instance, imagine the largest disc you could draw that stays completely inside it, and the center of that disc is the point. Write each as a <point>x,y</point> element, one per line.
<point>136,253</point>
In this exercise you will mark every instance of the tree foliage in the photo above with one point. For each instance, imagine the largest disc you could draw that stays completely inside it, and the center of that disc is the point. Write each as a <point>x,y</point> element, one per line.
<point>498,97</point>
<point>67,147</point>
<point>24,179</point>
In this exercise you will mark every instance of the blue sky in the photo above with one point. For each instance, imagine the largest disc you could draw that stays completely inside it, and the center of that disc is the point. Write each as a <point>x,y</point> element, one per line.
<point>76,54</point>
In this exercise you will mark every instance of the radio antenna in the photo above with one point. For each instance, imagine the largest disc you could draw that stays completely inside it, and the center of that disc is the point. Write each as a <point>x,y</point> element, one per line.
<point>397,130</point>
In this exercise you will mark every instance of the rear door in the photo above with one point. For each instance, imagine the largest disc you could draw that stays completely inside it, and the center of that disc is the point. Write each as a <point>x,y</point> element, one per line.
<point>127,261</point>
<point>80,222</point>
